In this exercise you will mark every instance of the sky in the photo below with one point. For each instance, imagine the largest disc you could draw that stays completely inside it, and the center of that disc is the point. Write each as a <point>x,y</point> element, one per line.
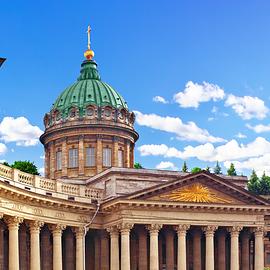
<point>196,74</point>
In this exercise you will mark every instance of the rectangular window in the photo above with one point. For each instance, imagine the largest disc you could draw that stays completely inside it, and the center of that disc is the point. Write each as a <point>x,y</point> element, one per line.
<point>107,157</point>
<point>120,158</point>
<point>73,158</point>
<point>59,160</point>
<point>90,156</point>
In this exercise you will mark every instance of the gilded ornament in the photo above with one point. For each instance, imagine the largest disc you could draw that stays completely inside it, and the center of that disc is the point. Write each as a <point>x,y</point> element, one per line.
<point>195,193</point>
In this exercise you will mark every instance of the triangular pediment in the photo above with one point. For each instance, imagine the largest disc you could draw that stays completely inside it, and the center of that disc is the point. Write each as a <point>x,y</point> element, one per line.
<point>196,193</point>
<point>202,187</point>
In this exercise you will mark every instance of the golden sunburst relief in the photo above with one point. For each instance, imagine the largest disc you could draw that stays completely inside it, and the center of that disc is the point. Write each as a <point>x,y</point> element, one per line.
<point>195,193</point>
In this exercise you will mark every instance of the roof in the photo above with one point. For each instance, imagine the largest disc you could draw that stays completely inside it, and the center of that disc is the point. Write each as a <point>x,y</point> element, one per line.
<point>88,90</point>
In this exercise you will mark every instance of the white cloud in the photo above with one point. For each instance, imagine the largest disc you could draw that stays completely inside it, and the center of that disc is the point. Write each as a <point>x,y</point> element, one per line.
<point>165,165</point>
<point>41,171</point>
<point>195,93</point>
<point>259,128</point>
<point>214,110</point>
<point>240,135</point>
<point>3,149</point>
<point>159,150</point>
<point>160,99</point>
<point>42,157</point>
<point>188,132</point>
<point>247,107</point>
<point>19,130</point>
<point>210,119</point>
<point>232,150</point>
<point>259,164</point>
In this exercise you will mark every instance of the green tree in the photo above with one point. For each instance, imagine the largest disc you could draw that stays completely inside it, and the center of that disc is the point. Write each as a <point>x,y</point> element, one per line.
<point>217,169</point>
<point>26,166</point>
<point>184,167</point>
<point>6,163</point>
<point>196,170</point>
<point>254,183</point>
<point>138,165</point>
<point>264,186</point>
<point>231,171</point>
<point>207,168</point>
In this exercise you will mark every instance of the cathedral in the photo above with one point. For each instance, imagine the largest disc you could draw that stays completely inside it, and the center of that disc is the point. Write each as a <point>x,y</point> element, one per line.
<point>94,211</point>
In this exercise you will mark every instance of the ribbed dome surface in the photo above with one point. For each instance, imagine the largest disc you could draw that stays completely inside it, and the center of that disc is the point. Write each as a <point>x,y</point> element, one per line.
<point>88,90</point>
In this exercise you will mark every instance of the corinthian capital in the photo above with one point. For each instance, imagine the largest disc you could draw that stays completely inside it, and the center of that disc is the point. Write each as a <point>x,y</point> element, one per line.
<point>35,225</point>
<point>209,230</point>
<point>125,227</point>
<point>154,228</point>
<point>13,222</point>
<point>79,231</point>
<point>113,230</point>
<point>181,229</point>
<point>57,228</point>
<point>235,230</point>
<point>258,231</point>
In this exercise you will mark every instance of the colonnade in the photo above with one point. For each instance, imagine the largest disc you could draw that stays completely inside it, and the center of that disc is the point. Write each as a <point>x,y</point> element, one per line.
<point>182,230</point>
<point>115,247</point>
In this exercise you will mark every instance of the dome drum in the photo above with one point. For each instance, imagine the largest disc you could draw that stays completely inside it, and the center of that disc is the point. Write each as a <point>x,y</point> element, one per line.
<point>88,129</point>
<point>90,112</point>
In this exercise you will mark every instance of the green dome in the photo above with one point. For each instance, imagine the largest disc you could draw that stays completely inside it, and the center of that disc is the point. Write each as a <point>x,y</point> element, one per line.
<point>88,90</point>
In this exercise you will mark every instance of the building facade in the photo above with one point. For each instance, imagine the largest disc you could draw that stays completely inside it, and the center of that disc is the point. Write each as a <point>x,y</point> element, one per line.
<point>94,211</point>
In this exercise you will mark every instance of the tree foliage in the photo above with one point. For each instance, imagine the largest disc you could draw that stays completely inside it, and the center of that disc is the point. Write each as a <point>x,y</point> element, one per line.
<point>184,167</point>
<point>217,169</point>
<point>196,170</point>
<point>231,171</point>
<point>260,186</point>
<point>25,166</point>
<point>138,165</point>
<point>207,169</point>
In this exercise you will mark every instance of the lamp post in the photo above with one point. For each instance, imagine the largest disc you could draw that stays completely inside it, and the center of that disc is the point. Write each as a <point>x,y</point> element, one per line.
<point>2,60</point>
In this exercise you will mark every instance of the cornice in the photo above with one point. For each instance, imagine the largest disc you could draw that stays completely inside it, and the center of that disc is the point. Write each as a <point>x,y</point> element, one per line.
<point>32,198</point>
<point>119,204</point>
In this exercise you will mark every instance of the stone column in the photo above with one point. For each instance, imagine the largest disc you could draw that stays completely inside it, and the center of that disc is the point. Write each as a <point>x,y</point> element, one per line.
<point>35,244</point>
<point>259,248</point>
<point>64,158</point>
<point>13,228</point>
<point>234,231</point>
<point>52,160</point>
<point>80,234</point>
<point>153,230</point>
<point>47,162</point>
<point>115,152</point>
<point>81,156</point>
<point>169,236</point>
<point>142,235</point>
<point>104,251</point>
<point>182,246</point>
<point>209,243</point>
<point>127,155</point>
<point>2,246</point>
<point>131,155</point>
<point>197,256</point>
<point>57,245</point>
<point>114,235</point>
<point>221,242</point>
<point>245,237</point>
<point>125,244</point>
<point>99,154</point>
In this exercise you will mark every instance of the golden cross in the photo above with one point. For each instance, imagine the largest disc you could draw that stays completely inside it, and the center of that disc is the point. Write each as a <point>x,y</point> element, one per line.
<point>88,33</point>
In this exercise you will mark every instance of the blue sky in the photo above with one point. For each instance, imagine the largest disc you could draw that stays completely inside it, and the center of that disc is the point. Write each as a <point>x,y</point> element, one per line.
<point>208,60</point>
